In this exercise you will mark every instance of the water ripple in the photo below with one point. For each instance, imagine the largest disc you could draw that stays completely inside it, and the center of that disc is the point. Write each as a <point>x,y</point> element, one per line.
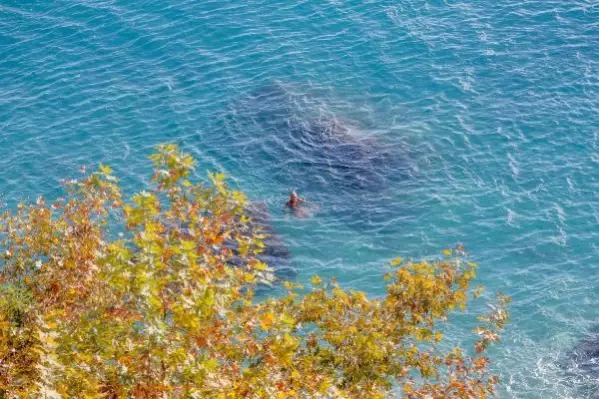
<point>410,125</point>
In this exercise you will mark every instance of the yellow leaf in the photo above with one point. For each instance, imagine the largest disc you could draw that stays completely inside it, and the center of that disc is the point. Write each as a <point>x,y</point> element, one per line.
<point>396,262</point>
<point>261,266</point>
<point>267,320</point>
<point>105,169</point>
<point>217,178</point>
<point>479,290</point>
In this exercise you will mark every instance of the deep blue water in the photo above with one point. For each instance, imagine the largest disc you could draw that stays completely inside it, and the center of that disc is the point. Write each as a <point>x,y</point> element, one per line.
<point>473,122</point>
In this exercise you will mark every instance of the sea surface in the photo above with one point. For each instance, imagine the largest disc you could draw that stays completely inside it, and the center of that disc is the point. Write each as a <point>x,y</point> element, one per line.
<point>410,126</point>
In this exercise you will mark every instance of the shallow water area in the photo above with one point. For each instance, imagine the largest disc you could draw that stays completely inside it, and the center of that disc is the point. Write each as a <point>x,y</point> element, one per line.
<point>490,111</point>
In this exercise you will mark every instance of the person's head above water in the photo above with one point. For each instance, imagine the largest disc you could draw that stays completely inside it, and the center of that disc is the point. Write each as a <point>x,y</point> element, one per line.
<point>294,200</point>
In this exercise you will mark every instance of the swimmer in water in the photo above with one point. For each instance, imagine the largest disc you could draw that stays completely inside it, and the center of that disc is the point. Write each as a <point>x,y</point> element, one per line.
<point>294,200</point>
<point>300,207</point>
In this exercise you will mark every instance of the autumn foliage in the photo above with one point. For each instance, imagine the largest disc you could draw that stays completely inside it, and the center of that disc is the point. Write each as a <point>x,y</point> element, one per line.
<point>153,297</point>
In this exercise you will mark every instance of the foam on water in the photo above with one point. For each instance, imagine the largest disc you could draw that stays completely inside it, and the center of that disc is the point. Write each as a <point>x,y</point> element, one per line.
<point>490,111</point>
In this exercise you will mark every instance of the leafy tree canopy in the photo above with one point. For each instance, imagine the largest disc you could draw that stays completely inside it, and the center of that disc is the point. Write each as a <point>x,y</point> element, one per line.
<point>154,298</point>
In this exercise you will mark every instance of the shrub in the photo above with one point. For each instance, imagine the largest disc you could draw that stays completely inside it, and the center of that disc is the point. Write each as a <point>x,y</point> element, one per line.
<point>154,298</point>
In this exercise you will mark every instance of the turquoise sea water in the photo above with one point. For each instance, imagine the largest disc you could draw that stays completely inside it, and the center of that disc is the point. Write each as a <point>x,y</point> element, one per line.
<point>487,113</point>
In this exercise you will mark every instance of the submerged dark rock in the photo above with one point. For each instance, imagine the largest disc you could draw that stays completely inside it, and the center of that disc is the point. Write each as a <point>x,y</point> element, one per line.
<point>581,365</point>
<point>584,357</point>
<point>306,145</point>
<point>337,154</point>
<point>275,253</point>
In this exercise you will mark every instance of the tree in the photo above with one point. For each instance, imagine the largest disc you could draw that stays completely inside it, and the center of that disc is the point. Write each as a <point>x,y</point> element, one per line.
<point>154,298</point>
